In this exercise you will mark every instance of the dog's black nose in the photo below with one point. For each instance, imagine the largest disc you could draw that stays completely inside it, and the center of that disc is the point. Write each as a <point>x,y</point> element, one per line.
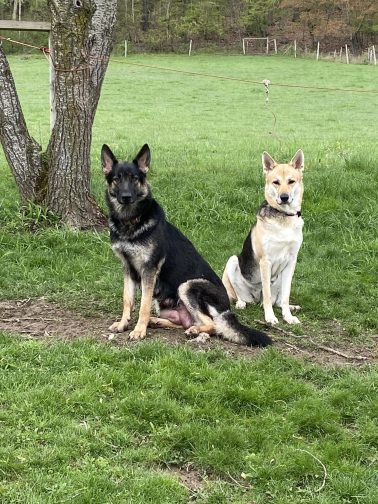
<point>126,197</point>
<point>284,197</point>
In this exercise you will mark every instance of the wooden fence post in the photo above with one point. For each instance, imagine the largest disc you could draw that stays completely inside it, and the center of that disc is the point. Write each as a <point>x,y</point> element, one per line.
<point>51,85</point>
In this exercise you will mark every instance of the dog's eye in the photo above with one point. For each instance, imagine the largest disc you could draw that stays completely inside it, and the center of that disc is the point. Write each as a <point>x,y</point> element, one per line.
<point>276,182</point>
<point>291,182</point>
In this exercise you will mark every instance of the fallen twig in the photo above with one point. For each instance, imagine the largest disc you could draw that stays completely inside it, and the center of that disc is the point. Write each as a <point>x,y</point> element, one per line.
<point>295,347</point>
<point>320,347</point>
<point>321,463</point>
<point>278,329</point>
<point>21,319</point>
<point>246,487</point>
<point>337,352</point>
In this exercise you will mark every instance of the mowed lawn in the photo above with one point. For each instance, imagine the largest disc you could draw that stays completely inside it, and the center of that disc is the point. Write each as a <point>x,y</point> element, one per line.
<point>86,422</point>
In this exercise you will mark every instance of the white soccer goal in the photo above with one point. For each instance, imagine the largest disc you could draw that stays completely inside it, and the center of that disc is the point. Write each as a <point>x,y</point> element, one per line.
<point>259,45</point>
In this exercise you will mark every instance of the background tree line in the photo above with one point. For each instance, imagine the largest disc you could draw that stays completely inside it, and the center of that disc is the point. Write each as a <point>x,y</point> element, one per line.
<point>168,25</point>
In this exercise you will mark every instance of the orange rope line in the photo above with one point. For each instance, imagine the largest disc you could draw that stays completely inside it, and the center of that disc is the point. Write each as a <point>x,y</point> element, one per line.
<point>46,52</point>
<point>247,81</point>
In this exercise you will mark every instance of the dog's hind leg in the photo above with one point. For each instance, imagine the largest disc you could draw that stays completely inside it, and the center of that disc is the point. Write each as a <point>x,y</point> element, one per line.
<point>295,307</point>
<point>228,285</point>
<point>192,294</point>
<point>163,323</point>
<point>209,306</point>
<point>206,326</point>
<point>239,289</point>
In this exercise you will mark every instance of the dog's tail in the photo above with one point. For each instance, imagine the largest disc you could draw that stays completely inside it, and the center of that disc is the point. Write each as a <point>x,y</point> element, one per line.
<point>229,328</point>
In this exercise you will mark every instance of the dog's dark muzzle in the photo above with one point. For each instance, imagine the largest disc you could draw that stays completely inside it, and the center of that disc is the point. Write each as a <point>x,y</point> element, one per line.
<point>125,198</point>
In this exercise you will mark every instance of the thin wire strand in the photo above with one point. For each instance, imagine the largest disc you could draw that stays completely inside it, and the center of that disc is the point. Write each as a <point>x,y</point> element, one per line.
<point>246,81</point>
<point>46,52</point>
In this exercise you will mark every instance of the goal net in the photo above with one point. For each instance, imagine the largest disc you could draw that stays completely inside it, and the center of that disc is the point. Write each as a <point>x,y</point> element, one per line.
<point>259,45</point>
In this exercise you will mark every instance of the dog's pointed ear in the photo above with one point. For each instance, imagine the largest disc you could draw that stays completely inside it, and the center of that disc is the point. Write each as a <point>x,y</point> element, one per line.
<point>298,160</point>
<point>108,160</point>
<point>267,162</point>
<point>143,158</point>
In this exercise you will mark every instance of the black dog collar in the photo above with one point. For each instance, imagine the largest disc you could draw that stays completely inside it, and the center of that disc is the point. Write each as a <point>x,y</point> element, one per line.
<point>298,214</point>
<point>267,210</point>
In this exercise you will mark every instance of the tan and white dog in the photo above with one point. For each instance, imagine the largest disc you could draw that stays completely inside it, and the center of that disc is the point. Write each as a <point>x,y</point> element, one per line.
<point>264,269</point>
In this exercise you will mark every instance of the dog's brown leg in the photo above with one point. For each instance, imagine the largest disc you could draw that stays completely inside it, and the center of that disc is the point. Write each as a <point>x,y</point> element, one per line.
<point>163,323</point>
<point>148,284</point>
<point>265,271</point>
<point>128,303</point>
<point>207,325</point>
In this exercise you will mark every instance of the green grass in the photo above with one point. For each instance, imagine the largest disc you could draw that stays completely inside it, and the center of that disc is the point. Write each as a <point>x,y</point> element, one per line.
<point>83,422</point>
<point>207,137</point>
<point>87,423</point>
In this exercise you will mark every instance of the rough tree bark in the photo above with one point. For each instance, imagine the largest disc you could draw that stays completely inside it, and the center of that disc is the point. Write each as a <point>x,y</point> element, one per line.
<point>22,152</point>
<point>81,33</point>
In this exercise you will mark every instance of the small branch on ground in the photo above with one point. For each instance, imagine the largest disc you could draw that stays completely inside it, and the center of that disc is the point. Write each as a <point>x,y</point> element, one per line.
<point>245,487</point>
<point>296,348</point>
<point>278,329</point>
<point>321,463</point>
<point>319,347</point>
<point>337,352</point>
<point>40,319</point>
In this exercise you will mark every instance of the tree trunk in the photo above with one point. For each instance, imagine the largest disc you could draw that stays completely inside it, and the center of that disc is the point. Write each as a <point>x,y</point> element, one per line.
<point>22,152</point>
<point>145,15</point>
<point>14,12</point>
<point>81,34</point>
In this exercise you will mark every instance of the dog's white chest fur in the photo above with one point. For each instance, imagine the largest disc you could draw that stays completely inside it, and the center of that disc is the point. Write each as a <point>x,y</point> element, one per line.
<point>280,242</point>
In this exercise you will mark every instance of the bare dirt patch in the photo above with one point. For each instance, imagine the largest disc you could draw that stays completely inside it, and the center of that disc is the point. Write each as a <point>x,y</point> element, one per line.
<point>189,477</point>
<point>40,319</point>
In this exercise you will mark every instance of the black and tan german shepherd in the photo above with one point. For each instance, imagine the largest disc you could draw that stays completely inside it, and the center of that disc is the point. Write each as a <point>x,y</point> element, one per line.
<point>157,256</point>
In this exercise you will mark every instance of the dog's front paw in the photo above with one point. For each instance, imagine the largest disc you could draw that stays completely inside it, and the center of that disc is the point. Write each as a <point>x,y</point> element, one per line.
<point>118,327</point>
<point>193,330</point>
<point>240,305</point>
<point>138,333</point>
<point>271,319</point>
<point>290,319</point>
